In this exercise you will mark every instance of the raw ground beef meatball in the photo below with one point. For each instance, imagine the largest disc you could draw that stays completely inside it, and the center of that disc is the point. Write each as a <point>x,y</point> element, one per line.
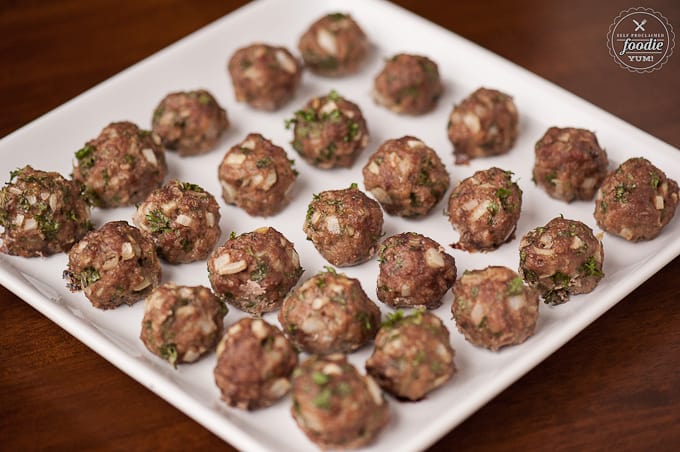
<point>257,176</point>
<point>121,166</point>
<point>408,84</point>
<point>406,176</point>
<point>636,201</point>
<point>41,213</point>
<point>484,209</point>
<point>493,308</point>
<point>329,313</point>
<point>333,46</point>
<point>254,271</point>
<point>414,271</point>
<point>181,323</point>
<point>254,364</point>
<point>344,226</point>
<point>265,77</point>
<point>570,164</point>
<point>113,265</point>
<point>183,221</point>
<point>482,125</point>
<point>560,259</point>
<point>190,122</point>
<point>412,355</point>
<point>329,132</point>
<point>336,406</point>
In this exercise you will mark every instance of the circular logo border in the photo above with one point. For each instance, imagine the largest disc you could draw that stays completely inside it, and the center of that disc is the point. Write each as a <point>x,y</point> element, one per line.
<point>671,35</point>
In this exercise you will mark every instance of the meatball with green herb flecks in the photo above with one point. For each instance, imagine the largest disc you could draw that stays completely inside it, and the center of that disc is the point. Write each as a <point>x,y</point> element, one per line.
<point>329,132</point>
<point>636,201</point>
<point>41,213</point>
<point>254,271</point>
<point>408,84</point>
<point>412,355</point>
<point>183,221</point>
<point>181,323</point>
<point>333,46</point>
<point>336,406</point>
<point>560,259</point>
<point>345,226</point>
<point>493,308</point>
<point>329,313</point>
<point>190,122</point>
<point>254,364</point>
<point>121,166</point>
<point>485,209</point>
<point>113,265</point>
<point>406,176</point>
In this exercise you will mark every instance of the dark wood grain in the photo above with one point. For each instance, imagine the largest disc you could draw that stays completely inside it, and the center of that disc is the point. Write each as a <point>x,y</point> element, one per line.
<point>616,386</point>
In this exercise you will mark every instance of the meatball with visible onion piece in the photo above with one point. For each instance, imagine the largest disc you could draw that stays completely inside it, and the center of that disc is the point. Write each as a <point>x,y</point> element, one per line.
<point>264,76</point>
<point>344,226</point>
<point>560,259</point>
<point>493,308</point>
<point>254,364</point>
<point>41,213</point>
<point>181,323</point>
<point>329,313</point>
<point>485,209</point>
<point>182,219</point>
<point>190,122</point>
<point>336,406</point>
<point>333,46</point>
<point>406,176</point>
<point>121,166</point>
<point>414,271</point>
<point>482,125</point>
<point>636,201</point>
<point>412,355</point>
<point>570,164</point>
<point>330,132</point>
<point>408,84</point>
<point>257,176</point>
<point>254,271</point>
<point>113,265</point>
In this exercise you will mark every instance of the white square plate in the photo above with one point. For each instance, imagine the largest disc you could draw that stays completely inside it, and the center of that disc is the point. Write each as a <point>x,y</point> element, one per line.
<point>199,60</point>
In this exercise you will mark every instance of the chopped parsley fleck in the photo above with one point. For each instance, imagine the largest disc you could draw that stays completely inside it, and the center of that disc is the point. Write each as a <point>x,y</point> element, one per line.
<point>352,131</point>
<point>492,207</point>
<point>621,192</point>
<point>365,320</point>
<point>260,271</point>
<point>330,269</point>
<point>85,156</point>
<point>263,162</point>
<point>354,185</point>
<point>169,353</point>
<point>13,174</point>
<point>561,279</point>
<point>204,98</point>
<point>654,180</point>
<point>323,399</point>
<point>232,235</point>
<point>515,286</point>
<point>186,186</point>
<point>590,268</point>
<point>158,222</point>
<point>320,378</point>
<point>333,95</point>
<point>88,276</point>
<point>503,194</point>
<point>550,178</point>
<point>336,16</point>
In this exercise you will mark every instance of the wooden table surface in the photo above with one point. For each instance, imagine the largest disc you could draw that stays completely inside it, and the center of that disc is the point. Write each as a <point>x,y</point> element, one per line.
<point>616,386</point>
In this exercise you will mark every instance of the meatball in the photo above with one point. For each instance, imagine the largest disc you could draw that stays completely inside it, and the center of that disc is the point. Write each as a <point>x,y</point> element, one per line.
<point>482,125</point>
<point>493,308</point>
<point>336,406</point>
<point>181,323</point>
<point>414,271</point>
<point>265,77</point>
<point>408,84</point>
<point>254,364</point>
<point>41,213</point>
<point>112,265</point>
<point>344,226</point>
<point>256,176</point>
<point>485,208</point>
<point>329,313</point>
<point>333,46</point>
<point>406,177</point>
<point>569,164</point>
<point>183,221</point>
<point>412,355</point>
<point>560,259</point>
<point>636,200</point>
<point>329,132</point>
<point>121,166</point>
<point>189,122</point>
<point>254,271</point>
